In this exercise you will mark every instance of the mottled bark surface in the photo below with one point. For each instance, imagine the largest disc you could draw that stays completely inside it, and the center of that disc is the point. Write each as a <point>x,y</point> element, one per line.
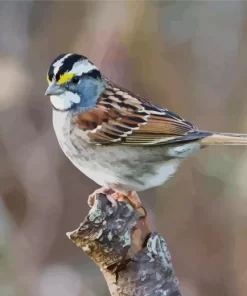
<point>134,261</point>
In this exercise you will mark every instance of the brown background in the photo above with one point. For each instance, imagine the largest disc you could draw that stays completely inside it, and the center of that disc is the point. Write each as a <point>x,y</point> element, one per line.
<point>189,56</point>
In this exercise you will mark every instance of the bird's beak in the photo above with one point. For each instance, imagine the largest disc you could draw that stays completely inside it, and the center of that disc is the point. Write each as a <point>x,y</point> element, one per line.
<point>53,90</point>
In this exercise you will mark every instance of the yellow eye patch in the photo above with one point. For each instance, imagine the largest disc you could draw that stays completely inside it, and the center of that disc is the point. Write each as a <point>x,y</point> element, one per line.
<point>65,77</point>
<point>48,79</point>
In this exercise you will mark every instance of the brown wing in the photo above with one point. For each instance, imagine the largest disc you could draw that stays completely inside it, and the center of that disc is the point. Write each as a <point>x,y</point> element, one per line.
<point>125,118</point>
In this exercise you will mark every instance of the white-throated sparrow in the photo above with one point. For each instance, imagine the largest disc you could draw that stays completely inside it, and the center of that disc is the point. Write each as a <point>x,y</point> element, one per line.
<point>122,141</point>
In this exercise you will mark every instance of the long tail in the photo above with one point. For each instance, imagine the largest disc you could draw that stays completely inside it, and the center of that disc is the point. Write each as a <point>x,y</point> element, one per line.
<point>224,139</point>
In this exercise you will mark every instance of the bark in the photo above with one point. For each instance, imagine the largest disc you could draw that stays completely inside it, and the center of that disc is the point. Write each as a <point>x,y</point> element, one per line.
<point>133,260</point>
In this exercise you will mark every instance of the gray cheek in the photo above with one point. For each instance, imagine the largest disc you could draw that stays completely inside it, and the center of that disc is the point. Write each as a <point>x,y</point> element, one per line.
<point>89,91</point>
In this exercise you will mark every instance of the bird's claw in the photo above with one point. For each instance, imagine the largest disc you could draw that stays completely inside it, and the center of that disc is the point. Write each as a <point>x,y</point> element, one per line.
<point>131,197</point>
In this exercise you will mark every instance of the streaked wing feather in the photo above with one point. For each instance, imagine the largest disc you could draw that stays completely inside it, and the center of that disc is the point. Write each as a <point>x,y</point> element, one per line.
<point>125,118</point>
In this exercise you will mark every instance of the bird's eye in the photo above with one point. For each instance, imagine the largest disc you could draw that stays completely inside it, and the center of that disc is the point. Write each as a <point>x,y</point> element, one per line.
<point>75,79</point>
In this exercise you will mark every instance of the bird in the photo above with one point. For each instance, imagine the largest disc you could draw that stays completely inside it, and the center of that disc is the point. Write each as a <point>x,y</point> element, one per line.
<point>121,140</point>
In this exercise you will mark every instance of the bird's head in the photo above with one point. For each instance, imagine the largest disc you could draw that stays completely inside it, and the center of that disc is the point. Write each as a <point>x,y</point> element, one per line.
<point>74,83</point>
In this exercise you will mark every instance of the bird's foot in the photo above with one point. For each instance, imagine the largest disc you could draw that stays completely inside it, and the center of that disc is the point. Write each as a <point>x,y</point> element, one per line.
<point>133,199</point>
<point>103,190</point>
<point>131,196</point>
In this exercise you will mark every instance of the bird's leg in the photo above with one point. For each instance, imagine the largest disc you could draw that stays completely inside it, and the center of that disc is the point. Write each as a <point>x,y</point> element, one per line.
<point>104,190</point>
<point>132,197</point>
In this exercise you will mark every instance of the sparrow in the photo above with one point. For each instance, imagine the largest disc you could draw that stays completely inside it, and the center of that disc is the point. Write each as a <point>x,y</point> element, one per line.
<point>120,140</point>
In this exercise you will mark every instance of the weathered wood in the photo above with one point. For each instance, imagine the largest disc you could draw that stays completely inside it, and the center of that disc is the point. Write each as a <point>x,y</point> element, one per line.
<point>134,261</point>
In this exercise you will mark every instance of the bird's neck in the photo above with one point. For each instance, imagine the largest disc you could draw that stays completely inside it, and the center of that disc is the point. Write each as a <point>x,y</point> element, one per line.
<point>61,123</point>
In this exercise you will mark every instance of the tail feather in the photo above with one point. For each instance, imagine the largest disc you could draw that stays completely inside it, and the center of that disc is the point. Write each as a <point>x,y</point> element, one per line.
<point>224,139</point>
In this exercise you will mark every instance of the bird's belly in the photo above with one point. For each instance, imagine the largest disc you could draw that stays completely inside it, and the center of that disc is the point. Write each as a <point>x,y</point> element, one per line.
<point>120,168</point>
<point>121,178</point>
<point>159,174</point>
<point>121,171</point>
<point>154,175</point>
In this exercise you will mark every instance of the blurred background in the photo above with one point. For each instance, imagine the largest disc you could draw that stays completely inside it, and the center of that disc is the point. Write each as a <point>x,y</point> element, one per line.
<point>189,56</point>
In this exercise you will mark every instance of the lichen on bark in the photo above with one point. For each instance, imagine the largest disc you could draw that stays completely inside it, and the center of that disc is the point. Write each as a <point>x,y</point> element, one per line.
<point>133,260</point>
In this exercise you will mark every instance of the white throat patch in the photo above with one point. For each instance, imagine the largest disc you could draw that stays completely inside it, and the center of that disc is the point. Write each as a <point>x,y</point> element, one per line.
<point>65,100</point>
